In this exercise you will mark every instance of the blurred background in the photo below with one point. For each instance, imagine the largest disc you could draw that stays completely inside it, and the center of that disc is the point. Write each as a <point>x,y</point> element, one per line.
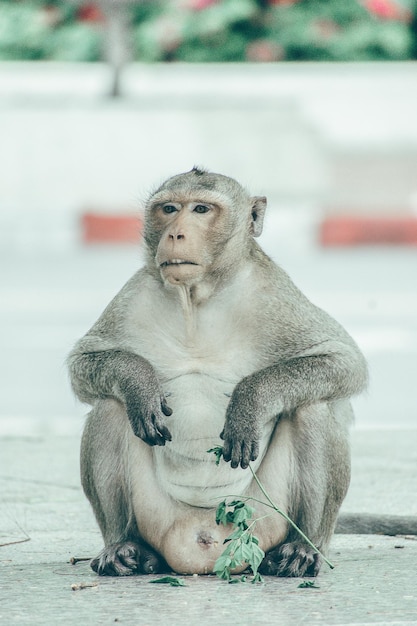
<point>311,102</point>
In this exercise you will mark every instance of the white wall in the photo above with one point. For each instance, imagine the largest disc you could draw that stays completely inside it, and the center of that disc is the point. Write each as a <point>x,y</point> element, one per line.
<point>66,147</point>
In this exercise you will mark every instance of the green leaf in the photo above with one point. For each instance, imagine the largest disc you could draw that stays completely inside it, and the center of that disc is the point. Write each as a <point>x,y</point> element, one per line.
<point>257,578</point>
<point>238,516</point>
<point>235,503</point>
<point>218,452</point>
<point>236,534</point>
<point>308,584</point>
<point>222,563</point>
<point>247,537</point>
<point>229,549</point>
<point>235,580</point>
<point>242,513</point>
<point>221,514</point>
<point>238,555</point>
<point>241,546</point>
<point>169,580</point>
<point>257,557</point>
<point>247,552</point>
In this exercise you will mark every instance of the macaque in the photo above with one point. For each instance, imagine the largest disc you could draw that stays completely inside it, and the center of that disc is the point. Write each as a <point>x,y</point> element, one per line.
<point>211,344</point>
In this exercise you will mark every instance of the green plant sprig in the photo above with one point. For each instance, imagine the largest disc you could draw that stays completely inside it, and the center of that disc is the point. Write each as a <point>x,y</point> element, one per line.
<point>242,545</point>
<point>229,559</point>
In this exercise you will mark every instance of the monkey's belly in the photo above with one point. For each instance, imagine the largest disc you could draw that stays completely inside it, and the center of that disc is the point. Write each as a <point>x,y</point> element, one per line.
<point>184,469</point>
<point>194,543</point>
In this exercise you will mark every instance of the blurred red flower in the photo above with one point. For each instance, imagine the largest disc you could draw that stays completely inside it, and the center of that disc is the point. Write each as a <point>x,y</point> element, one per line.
<point>387,10</point>
<point>90,13</point>
<point>264,51</point>
<point>199,5</point>
<point>283,2</point>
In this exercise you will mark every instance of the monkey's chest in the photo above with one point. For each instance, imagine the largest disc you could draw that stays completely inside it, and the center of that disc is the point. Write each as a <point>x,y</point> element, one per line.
<point>184,468</point>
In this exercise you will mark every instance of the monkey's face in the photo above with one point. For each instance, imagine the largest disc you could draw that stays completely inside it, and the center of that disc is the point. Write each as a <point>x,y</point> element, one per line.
<point>189,237</point>
<point>197,226</point>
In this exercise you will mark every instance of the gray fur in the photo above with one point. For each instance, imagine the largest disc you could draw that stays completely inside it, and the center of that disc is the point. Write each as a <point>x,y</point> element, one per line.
<point>301,370</point>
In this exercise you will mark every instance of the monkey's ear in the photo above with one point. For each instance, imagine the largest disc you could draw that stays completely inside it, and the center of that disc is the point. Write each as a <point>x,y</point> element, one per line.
<point>258,212</point>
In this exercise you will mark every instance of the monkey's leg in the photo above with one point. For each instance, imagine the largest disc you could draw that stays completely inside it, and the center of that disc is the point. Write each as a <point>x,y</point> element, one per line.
<point>104,480</point>
<point>321,475</point>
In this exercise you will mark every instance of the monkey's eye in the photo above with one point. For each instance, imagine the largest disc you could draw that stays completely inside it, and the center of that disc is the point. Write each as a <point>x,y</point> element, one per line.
<point>169,208</point>
<point>201,208</point>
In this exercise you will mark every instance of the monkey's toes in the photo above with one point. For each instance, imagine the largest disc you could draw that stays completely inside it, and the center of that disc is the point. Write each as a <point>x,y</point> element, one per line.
<point>119,559</point>
<point>125,559</point>
<point>294,559</point>
<point>151,562</point>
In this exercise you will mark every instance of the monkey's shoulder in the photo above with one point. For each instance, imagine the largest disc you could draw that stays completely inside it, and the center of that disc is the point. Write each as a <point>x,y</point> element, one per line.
<point>294,323</point>
<point>275,290</point>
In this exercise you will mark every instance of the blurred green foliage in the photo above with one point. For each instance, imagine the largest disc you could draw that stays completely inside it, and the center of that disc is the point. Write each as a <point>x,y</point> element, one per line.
<point>35,29</point>
<point>215,30</point>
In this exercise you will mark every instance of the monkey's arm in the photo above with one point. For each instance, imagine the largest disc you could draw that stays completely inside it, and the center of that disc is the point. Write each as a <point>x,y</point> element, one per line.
<point>101,365</point>
<point>128,378</point>
<point>335,370</point>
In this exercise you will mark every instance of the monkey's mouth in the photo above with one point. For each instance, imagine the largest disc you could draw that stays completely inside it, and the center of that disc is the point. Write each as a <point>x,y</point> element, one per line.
<point>176,262</point>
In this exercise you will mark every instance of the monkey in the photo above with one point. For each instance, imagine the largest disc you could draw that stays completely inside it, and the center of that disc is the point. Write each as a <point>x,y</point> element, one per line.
<point>211,343</point>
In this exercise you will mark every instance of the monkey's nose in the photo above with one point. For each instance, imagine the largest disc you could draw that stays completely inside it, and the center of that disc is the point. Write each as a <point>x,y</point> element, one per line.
<point>176,236</point>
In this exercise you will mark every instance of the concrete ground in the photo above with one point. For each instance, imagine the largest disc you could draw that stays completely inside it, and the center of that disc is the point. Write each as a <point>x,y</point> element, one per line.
<point>46,302</point>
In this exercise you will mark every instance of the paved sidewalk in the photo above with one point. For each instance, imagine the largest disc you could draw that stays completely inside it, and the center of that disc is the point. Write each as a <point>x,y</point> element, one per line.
<point>374,581</point>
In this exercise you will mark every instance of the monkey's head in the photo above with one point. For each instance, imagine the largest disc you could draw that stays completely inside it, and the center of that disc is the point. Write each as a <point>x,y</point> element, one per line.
<point>200,224</point>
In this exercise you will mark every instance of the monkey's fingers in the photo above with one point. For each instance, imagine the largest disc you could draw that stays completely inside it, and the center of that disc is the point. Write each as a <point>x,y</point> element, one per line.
<point>254,451</point>
<point>249,453</point>
<point>232,452</point>
<point>161,432</point>
<point>166,410</point>
<point>237,459</point>
<point>150,429</point>
<point>227,450</point>
<point>239,452</point>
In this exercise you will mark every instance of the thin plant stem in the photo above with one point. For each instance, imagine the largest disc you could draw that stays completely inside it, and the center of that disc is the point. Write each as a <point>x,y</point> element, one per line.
<point>218,451</point>
<point>289,520</point>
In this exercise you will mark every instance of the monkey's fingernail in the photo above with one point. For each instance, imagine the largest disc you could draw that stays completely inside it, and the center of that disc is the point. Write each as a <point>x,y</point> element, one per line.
<point>164,405</point>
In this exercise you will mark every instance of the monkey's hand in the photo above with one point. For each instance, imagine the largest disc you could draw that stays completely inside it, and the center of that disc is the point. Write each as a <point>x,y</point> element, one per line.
<point>241,432</point>
<point>146,407</point>
<point>146,418</point>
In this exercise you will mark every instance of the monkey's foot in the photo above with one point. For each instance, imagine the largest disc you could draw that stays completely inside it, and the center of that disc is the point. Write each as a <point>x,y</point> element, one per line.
<point>125,559</point>
<point>291,559</point>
